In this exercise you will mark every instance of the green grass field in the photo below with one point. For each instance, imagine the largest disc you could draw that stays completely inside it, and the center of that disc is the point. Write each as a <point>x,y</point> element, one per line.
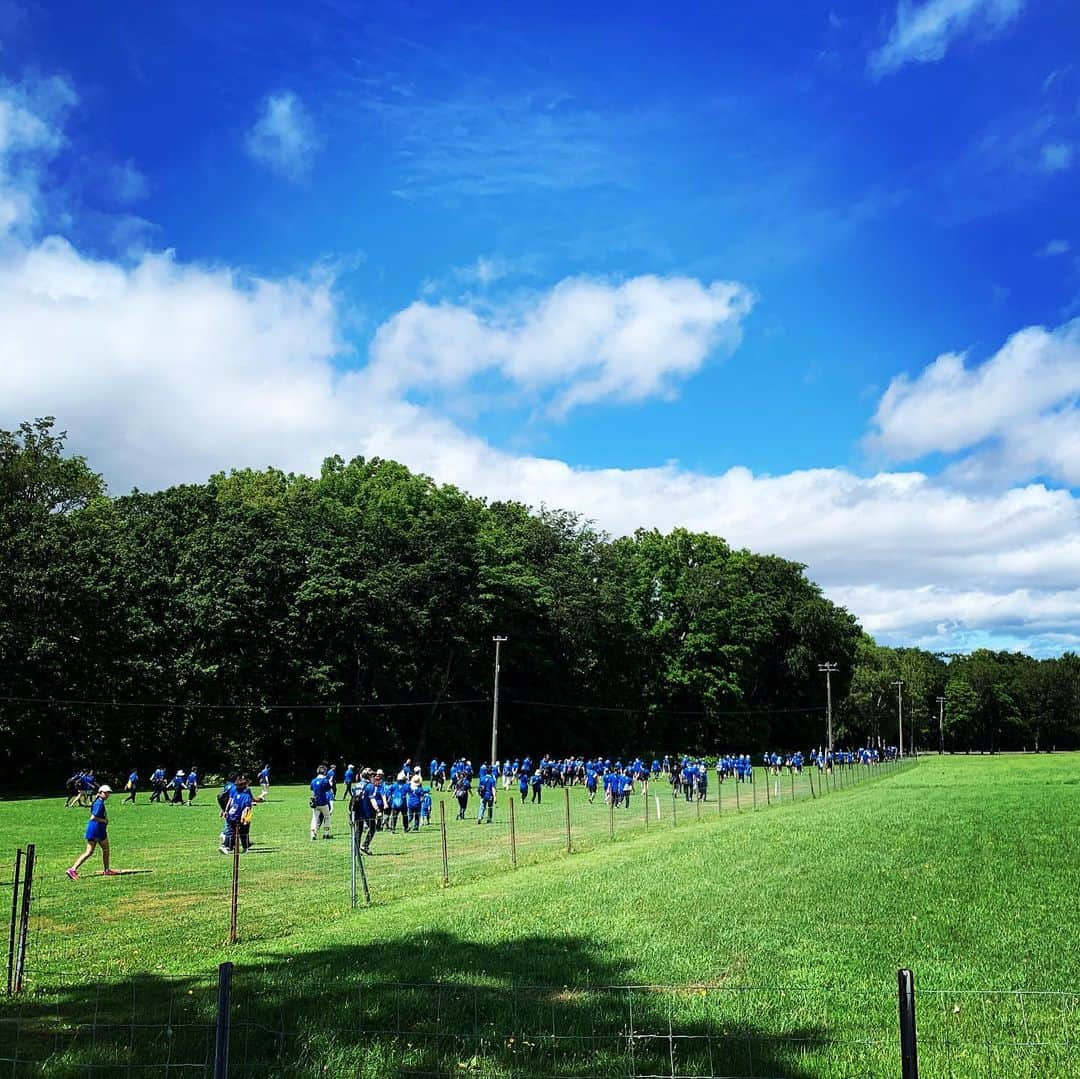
<point>769,939</point>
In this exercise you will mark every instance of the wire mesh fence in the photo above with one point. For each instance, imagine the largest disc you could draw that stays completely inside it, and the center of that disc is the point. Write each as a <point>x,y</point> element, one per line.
<point>169,868</point>
<point>326,1026</point>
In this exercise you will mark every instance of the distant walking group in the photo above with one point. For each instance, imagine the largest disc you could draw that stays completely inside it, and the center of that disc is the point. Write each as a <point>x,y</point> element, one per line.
<point>374,804</point>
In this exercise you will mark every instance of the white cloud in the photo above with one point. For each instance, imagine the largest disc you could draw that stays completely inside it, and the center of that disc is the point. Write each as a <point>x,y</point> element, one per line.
<point>584,341</point>
<point>1054,247</point>
<point>30,134</point>
<point>1019,406</point>
<point>284,137</point>
<point>164,371</point>
<point>922,33</point>
<point>127,184</point>
<point>1055,157</point>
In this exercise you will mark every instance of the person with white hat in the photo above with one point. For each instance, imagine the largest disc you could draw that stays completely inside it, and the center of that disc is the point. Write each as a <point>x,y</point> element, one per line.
<point>96,835</point>
<point>178,783</point>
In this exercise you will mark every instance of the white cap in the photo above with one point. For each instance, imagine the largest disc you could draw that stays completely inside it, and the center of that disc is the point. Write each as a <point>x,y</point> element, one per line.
<point>104,789</point>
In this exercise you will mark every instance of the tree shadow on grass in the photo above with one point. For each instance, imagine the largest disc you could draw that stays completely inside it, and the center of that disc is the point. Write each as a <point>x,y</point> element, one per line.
<point>436,1006</point>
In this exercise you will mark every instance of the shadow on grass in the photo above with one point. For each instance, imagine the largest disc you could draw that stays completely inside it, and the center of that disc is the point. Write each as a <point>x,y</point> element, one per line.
<point>437,1006</point>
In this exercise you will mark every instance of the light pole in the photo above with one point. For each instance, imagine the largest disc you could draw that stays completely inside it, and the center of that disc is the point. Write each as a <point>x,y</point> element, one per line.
<point>900,712</point>
<point>941,726</point>
<point>828,669</point>
<point>495,706</point>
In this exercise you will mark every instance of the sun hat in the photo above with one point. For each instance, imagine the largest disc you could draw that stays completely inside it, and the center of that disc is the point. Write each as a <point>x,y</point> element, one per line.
<point>104,789</point>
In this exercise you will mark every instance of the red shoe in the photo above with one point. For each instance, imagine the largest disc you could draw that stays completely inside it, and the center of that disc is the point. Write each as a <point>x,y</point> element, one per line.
<point>110,872</point>
<point>72,874</point>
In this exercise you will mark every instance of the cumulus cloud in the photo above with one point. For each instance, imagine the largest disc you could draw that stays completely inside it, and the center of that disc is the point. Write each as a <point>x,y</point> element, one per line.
<point>1018,408</point>
<point>30,134</point>
<point>1054,247</point>
<point>585,340</point>
<point>164,371</point>
<point>923,32</point>
<point>126,183</point>
<point>284,138</point>
<point>1055,157</point>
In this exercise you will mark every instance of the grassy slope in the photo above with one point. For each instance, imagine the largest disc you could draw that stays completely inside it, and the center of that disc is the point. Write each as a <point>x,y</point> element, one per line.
<point>964,869</point>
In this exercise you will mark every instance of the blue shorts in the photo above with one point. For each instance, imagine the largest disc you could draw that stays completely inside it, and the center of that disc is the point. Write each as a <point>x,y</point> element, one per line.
<point>96,831</point>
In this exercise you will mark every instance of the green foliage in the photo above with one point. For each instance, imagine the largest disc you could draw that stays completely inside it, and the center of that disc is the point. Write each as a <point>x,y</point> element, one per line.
<point>359,593</point>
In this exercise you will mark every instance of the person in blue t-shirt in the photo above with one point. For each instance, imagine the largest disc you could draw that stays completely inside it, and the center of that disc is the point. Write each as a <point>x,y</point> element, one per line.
<point>366,808</point>
<point>591,783</point>
<point>537,786</point>
<point>74,786</point>
<point>96,835</point>
<point>192,784</point>
<point>486,790</point>
<point>523,785</point>
<point>178,788</point>
<point>425,805</point>
<point>87,786</point>
<point>462,789</point>
<point>264,779</point>
<point>397,793</point>
<point>321,804</point>
<point>159,785</point>
<point>413,799</point>
<point>237,813</point>
<point>132,786</point>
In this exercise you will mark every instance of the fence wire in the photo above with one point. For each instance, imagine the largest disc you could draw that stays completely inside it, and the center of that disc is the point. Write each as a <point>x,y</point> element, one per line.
<point>149,1026</point>
<point>171,870</point>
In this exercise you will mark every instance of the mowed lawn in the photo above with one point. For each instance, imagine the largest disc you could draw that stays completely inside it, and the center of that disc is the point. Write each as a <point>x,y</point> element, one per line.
<point>783,928</point>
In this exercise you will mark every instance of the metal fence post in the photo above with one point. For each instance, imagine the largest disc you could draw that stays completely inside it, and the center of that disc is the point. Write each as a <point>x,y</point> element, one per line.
<point>513,837</point>
<point>445,853</point>
<point>24,916</point>
<point>909,1054</point>
<point>569,846</point>
<point>353,855</point>
<point>224,1021</point>
<point>14,920</point>
<point>674,810</point>
<point>234,899</point>
<point>363,877</point>
<point>738,808</point>
<point>611,817</point>
<point>792,784</point>
<point>810,780</point>
<point>646,801</point>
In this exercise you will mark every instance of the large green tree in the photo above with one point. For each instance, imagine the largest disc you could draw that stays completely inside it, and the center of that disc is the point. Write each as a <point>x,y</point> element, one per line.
<point>268,616</point>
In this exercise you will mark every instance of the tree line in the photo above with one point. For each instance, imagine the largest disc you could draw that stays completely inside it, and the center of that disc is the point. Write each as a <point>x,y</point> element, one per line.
<point>269,616</point>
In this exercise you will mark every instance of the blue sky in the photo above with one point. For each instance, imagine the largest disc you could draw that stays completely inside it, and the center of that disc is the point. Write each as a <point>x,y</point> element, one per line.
<point>768,221</point>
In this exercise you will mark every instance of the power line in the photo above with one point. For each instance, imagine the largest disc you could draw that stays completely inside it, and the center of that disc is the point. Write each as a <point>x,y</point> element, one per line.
<point>666,711</point>
<point>396,705</point>
<point>233,705</point>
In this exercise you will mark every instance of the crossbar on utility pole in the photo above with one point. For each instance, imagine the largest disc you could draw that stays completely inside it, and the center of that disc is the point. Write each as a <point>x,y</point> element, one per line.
<point>495,705</point>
